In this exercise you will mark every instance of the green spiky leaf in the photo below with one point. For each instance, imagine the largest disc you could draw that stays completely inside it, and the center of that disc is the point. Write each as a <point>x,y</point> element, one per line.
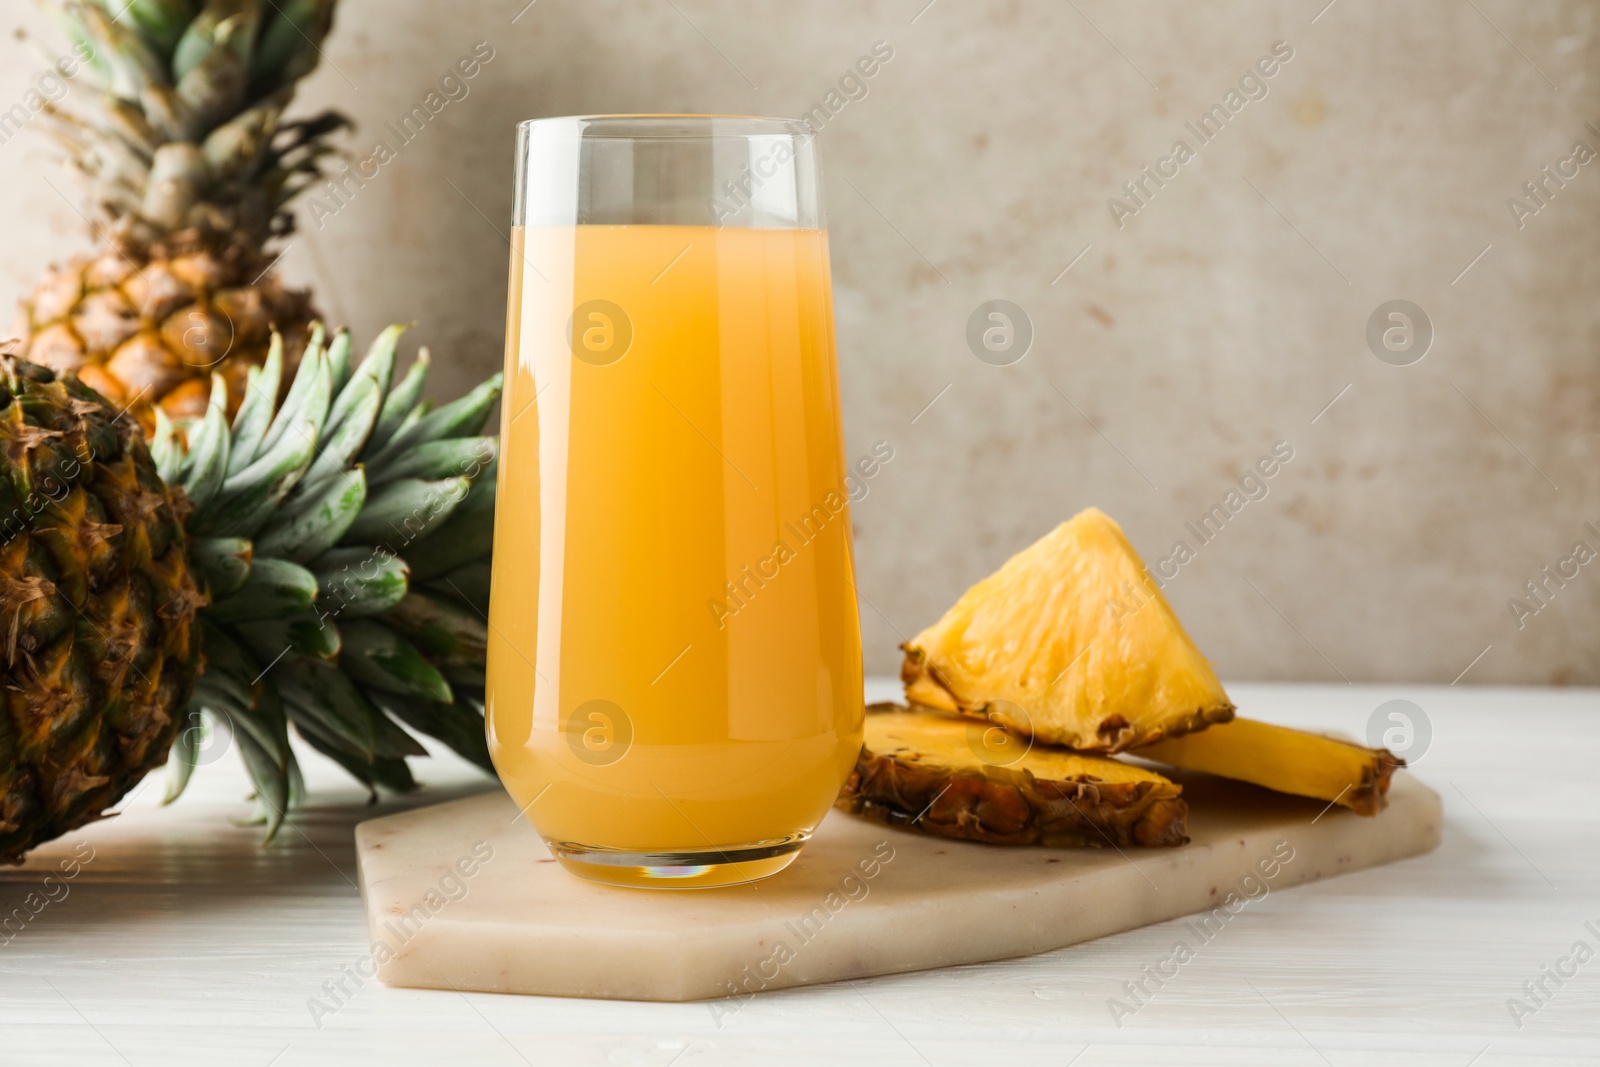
<point>307,634</point>
<point>458,725</point>
<point>448,633</point>
<point>451,457</point>
<point>160,22</point>
<point>458,418</point>
<point>339,362</point>
<point>406,511</point>
<point>356,583</point>
<point>316,522</point>
<point>165,449</point>
<point>185,751</point>
<point>274,588</point>
<point>225,562</point>
<point>454,544</point>
<point>378,657</point>
<point>256,408</point>
<point>206,467</point>
<point>402,400</point>
<point>316,619</point>
<point>346,437</point>
<point>222,26</point>
<point>467,585</point>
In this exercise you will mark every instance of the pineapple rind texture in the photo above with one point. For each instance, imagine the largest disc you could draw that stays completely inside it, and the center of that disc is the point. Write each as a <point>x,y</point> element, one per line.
<point>146,324</point>
<point>99,646</point>
<point>923,770</point>
<point>1071,642</point>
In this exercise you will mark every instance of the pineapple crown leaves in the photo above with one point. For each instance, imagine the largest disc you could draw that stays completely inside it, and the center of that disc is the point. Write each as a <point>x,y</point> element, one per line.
<point>343,534</point>
<point>187,129</point>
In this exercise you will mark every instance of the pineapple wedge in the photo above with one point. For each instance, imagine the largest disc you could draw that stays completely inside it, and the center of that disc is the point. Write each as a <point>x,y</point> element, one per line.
<point>957,778</point>
<point>1070,642</point>
<point>1287,760</point>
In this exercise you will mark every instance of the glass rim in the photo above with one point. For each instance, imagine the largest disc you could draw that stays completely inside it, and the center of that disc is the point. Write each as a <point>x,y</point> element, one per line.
<point>668,126</point>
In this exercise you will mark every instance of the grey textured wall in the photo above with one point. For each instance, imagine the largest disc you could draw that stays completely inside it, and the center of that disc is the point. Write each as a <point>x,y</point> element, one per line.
<point>1173,346</point>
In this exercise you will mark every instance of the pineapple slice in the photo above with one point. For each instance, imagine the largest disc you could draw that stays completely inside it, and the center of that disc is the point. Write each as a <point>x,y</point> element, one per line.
<point>1070,642</point>
<point>957,778</point>
<point>1287,760</point>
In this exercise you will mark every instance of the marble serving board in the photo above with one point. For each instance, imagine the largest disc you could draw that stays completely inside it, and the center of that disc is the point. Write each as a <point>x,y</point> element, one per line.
<point>465,896</point>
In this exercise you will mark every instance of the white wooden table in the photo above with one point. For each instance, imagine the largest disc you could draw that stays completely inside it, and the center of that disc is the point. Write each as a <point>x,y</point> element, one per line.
<point>181,941</point>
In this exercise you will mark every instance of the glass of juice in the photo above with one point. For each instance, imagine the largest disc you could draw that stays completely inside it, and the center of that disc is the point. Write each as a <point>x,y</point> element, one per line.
<point>675,692</point>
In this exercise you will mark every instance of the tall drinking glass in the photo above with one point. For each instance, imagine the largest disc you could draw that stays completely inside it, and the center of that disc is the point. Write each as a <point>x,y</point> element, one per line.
<point>675,656</point>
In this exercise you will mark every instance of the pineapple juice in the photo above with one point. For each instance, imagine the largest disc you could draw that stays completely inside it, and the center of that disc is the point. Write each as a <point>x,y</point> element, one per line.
<point>674,652</point>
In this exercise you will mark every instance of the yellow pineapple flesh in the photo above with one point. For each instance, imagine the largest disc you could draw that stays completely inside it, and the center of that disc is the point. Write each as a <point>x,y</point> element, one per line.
<point>1286,760</point>
<point>1070,642</point>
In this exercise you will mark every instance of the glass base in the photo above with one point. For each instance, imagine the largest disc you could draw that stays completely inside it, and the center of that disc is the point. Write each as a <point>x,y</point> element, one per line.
<point>698,869</point>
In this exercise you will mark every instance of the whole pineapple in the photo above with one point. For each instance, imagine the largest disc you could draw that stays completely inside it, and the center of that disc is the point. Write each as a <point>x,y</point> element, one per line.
<point>98,638</point>
<point>191,167</point>
<point>320,562</point>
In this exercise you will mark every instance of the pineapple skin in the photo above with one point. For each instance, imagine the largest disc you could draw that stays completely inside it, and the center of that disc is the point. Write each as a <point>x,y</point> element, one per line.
<point>946,791</point>
<point>145,324</point>
<point>98,640</point>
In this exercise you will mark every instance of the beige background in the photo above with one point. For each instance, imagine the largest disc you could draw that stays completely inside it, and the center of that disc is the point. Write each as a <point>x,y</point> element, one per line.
<point>1223,317</point>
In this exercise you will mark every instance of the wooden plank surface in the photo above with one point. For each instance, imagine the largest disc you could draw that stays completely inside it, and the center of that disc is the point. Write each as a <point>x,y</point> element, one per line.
<point>180,941</point>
